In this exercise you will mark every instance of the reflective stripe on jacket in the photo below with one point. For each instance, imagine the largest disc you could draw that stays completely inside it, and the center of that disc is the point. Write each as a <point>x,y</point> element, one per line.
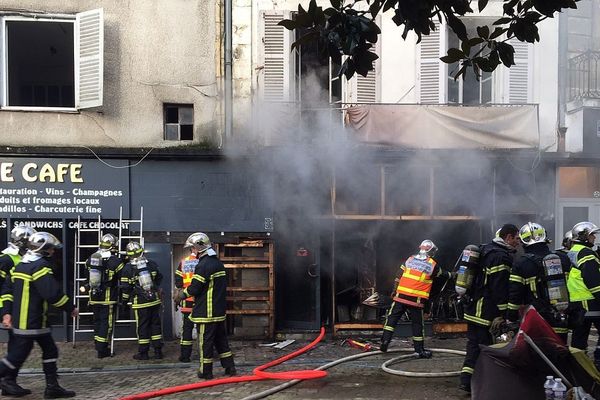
<point>417,279</point>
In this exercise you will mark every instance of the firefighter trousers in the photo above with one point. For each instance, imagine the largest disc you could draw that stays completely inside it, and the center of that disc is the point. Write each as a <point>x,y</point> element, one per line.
<point>149,328</point>
<point>19,348</point>
<point>416,318</point>
<point>103,325</point>
<point>476,335</point>
<point>580,335</point>
<point>211,336</point>
<point>187,339</point>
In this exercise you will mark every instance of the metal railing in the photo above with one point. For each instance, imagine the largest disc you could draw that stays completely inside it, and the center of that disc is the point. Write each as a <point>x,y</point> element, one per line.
<point>584,76</point>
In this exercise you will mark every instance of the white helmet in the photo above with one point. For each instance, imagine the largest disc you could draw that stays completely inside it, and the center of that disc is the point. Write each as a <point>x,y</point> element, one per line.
<point>134,249</point>
<point>427,249</point>
<point>532,233</point>
<point>108,242</point>
<point>41,242</point>
<point>20,235</point>
<point>567,241</point>
<point>582,230</point>
<point>199,242</point>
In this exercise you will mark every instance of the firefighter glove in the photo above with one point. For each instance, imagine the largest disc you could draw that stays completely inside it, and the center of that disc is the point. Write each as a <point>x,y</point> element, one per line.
<point>179,296</point>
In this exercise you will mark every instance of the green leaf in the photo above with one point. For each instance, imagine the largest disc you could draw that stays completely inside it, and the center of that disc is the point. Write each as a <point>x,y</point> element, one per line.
<point>288,24</point>
<point>453,56</point>
<point>457,26</point>
<point>497,32</point>
<point>483,31</point>
<point>506,53</point>
<point>481,4</point>
<point>502,21</point>
<point>336,3</point>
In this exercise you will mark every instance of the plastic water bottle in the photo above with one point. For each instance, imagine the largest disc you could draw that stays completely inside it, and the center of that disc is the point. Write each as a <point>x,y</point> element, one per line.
<point>559,390</point>
<point>548,387</point>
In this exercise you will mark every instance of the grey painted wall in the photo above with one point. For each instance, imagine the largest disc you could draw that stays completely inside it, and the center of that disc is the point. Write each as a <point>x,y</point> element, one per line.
<point>230,196</point>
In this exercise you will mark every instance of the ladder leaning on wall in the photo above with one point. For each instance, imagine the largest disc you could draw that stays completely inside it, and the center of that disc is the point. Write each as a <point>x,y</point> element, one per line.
<point>125,236</point>
<point>83,249</point>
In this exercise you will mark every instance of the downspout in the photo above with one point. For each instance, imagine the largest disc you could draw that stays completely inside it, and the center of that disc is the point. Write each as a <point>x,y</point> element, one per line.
<point>228,70</point>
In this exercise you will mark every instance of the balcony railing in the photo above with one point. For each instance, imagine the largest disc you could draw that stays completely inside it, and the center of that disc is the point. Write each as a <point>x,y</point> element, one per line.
<point>584,76</point>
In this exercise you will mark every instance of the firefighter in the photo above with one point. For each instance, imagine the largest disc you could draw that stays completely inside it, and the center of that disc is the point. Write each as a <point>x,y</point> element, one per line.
<point>528,283</point>
<point>183,278</point>
<point>563,252</point>
<point>34,287</point>
<point>103,268</point>
<point>209,289</point>
<point>490,296</point>
<point>9,258</point>
<point>412,295</point>
<point>584,286</point>
<point>140,281</point>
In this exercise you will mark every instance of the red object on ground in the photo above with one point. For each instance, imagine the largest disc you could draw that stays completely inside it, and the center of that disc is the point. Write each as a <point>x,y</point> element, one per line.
<point>358,345</point>
<point>259,374</point>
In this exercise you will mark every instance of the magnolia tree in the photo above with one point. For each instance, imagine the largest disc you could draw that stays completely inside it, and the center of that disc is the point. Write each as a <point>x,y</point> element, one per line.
<point>347,30</point>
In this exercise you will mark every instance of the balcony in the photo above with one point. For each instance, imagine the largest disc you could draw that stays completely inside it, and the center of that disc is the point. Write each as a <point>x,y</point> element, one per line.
<point>584,77</point>
<point>403,126</point>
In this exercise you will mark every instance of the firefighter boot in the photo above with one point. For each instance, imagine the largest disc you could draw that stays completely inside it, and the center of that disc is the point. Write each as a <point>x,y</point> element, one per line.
<point>386,339</point>
<point>420,349</point>
<point>231,371</point>
<point>11,388</point>
<point>158,355</point>
<point>142,355</point>
<point>186,354</point>
<point>103,353</point>
<point>54,390</point>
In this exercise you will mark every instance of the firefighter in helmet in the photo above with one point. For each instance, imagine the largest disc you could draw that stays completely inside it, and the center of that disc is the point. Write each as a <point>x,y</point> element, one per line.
<point>412,295</point>
<point>9,258</point>
<point>563,252</point>
<point>33,287</point>
<point>529,279</point>
<point>183,279</point>
<point>103,269</point>
<point>140,282</point>
<point>489,298</point>
<point>209,289</point>
<point>584,285</point>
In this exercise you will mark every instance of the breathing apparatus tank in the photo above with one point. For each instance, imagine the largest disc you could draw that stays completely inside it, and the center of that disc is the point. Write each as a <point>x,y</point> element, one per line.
<point>466,269</point>
<point>555,285</point>
<point>95,274</point>
<point>143,274</point>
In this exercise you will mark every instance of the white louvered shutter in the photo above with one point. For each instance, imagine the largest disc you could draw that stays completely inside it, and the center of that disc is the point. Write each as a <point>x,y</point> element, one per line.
<point>274,79</point>
<point>89,58</point>
<point>431,76</point>
<point>367,88</point>
<point>519,75</point>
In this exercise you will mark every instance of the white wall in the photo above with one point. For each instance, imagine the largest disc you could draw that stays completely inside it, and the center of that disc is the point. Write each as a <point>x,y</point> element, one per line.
<point>155,51</point>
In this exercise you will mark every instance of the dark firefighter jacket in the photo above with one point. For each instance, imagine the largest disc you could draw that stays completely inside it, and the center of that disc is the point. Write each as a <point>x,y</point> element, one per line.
<point>131,289</point>
<point>490,293</point>
<point>564,260</point>
<point>584,279</point>
<point>527,285</point>
<point>34,287</point>
<point>183,278</point>
<point>108,291</point>
<point>209,288</point>
<point>7,262</point>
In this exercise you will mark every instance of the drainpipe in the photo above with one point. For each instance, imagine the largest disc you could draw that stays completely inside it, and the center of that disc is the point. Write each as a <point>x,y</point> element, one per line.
<point>228,70</point>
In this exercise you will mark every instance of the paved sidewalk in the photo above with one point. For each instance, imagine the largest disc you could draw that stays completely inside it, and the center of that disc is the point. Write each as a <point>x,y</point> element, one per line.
<point>361,379</point>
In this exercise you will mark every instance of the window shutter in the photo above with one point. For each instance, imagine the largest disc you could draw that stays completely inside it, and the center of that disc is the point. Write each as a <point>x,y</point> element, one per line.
<point>519,75</point>
<point>89,58</point>
<point>431,75</point>
<point>274,79</point>
<point>367,88</point>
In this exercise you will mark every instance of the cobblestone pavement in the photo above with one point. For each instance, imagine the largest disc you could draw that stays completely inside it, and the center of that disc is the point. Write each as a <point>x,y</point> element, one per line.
<point>360,379</point>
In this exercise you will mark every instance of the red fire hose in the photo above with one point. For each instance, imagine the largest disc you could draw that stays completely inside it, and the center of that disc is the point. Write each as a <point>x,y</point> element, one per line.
<point>258,375</point>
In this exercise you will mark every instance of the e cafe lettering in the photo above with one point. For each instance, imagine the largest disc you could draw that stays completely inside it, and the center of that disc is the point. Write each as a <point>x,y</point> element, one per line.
<point>32,172</point>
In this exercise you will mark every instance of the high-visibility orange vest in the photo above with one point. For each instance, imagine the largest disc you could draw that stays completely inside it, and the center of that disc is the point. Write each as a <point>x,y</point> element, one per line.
<point>417,279</point>
<point>188,266</point>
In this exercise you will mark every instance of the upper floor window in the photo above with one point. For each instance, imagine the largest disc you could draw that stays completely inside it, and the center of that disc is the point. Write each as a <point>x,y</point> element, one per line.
<point>179,121</point>
<point>51,62</point>
<point>435,79</point>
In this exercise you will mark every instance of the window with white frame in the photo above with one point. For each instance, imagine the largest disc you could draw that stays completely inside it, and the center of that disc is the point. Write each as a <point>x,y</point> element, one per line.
<point>436,84</point>
<point>300,75</point>
<point>51,61</point>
